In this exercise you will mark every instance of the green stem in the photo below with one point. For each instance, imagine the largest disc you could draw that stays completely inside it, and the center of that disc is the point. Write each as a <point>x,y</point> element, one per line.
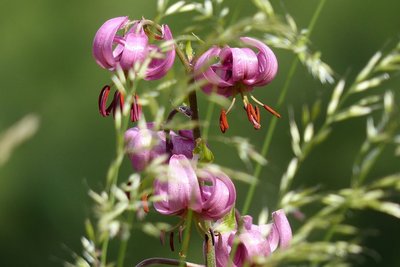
<point>209,248</point>
<point>124,242</point>
<point>210,111</point>
<point>186,238</point>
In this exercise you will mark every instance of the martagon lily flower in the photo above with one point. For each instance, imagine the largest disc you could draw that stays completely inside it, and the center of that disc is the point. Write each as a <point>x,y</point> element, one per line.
<point>255,241</point>
<point>145,144</point>
<point>238,71</point>
<point>112,50</point>
<point>211,195</point>
<point>180,191</point>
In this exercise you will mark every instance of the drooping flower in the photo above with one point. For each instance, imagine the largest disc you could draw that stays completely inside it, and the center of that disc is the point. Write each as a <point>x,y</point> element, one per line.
<point>218,194</point>
<point>255,241</point>
<point>180,191</point>
<point>131,47</point>
<point>145,144</point>
<point>211,195</point>
<point>238,71</point>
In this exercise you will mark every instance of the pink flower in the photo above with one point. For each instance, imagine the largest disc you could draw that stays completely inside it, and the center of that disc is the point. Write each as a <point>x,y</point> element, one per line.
<point>111,49</point>
<point>254,240</point>
<point>144,145</point>
<point>238,71</point>
<point>218,194</point>
<point>180,191</point>
<point>211,195</point>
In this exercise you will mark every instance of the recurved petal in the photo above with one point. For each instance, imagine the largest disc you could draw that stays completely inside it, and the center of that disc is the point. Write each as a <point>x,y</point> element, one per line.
<point>222,249</point>
<point>283,227</point>
<point>135,49</point>
<point>252,244</point>
<point>181,191</point>
<point>243,62</point>
<point>247,221</point>
<point>103,42</point>
<point>218,195</point>
<point>273,237</point>
<point>159,67</point>
<point>267,62</point>
<point>204,69</point>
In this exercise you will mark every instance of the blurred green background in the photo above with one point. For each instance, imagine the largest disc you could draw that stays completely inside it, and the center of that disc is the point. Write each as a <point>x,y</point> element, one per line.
<point>46,67</point>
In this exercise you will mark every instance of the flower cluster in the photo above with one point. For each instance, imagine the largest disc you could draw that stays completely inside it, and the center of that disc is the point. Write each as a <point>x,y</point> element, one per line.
<point>187,183</point>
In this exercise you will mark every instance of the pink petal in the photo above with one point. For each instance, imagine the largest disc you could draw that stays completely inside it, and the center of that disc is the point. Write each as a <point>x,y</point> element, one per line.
<point>159,67</point>
<point>103,42</point>
<point>209,73</point>
<point>135,49</point>
<point>247,221</point>
<point>283,227</point>
<point>143,145</point>
<point>243,62</point>
<point>219,197</point>
<point>222,250</point>
<point>181,190</point>
<point>273,237</point>
<point>181,144</point>
<point>252,244</point>
<point>267,62</point>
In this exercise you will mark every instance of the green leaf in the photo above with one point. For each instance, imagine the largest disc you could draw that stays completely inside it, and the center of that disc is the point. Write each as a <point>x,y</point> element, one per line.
<point>227,223</point>
<point>205,154</point>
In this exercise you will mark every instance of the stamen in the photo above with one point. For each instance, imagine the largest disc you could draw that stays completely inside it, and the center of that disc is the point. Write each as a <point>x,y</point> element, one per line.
<point>258,114</point>
<point>245,100</point>
<point>256,125</point>
<point>117,102</point>
<point>273,112</point>
<point>231,106</point>
<point>103,100</point>
<point>171,241</point>
<point>223,122</point>
<point>268,108</point>
<point>136,109</point>
<point>145,203</point>
<point>248,111</point>
<point>253,116</point>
